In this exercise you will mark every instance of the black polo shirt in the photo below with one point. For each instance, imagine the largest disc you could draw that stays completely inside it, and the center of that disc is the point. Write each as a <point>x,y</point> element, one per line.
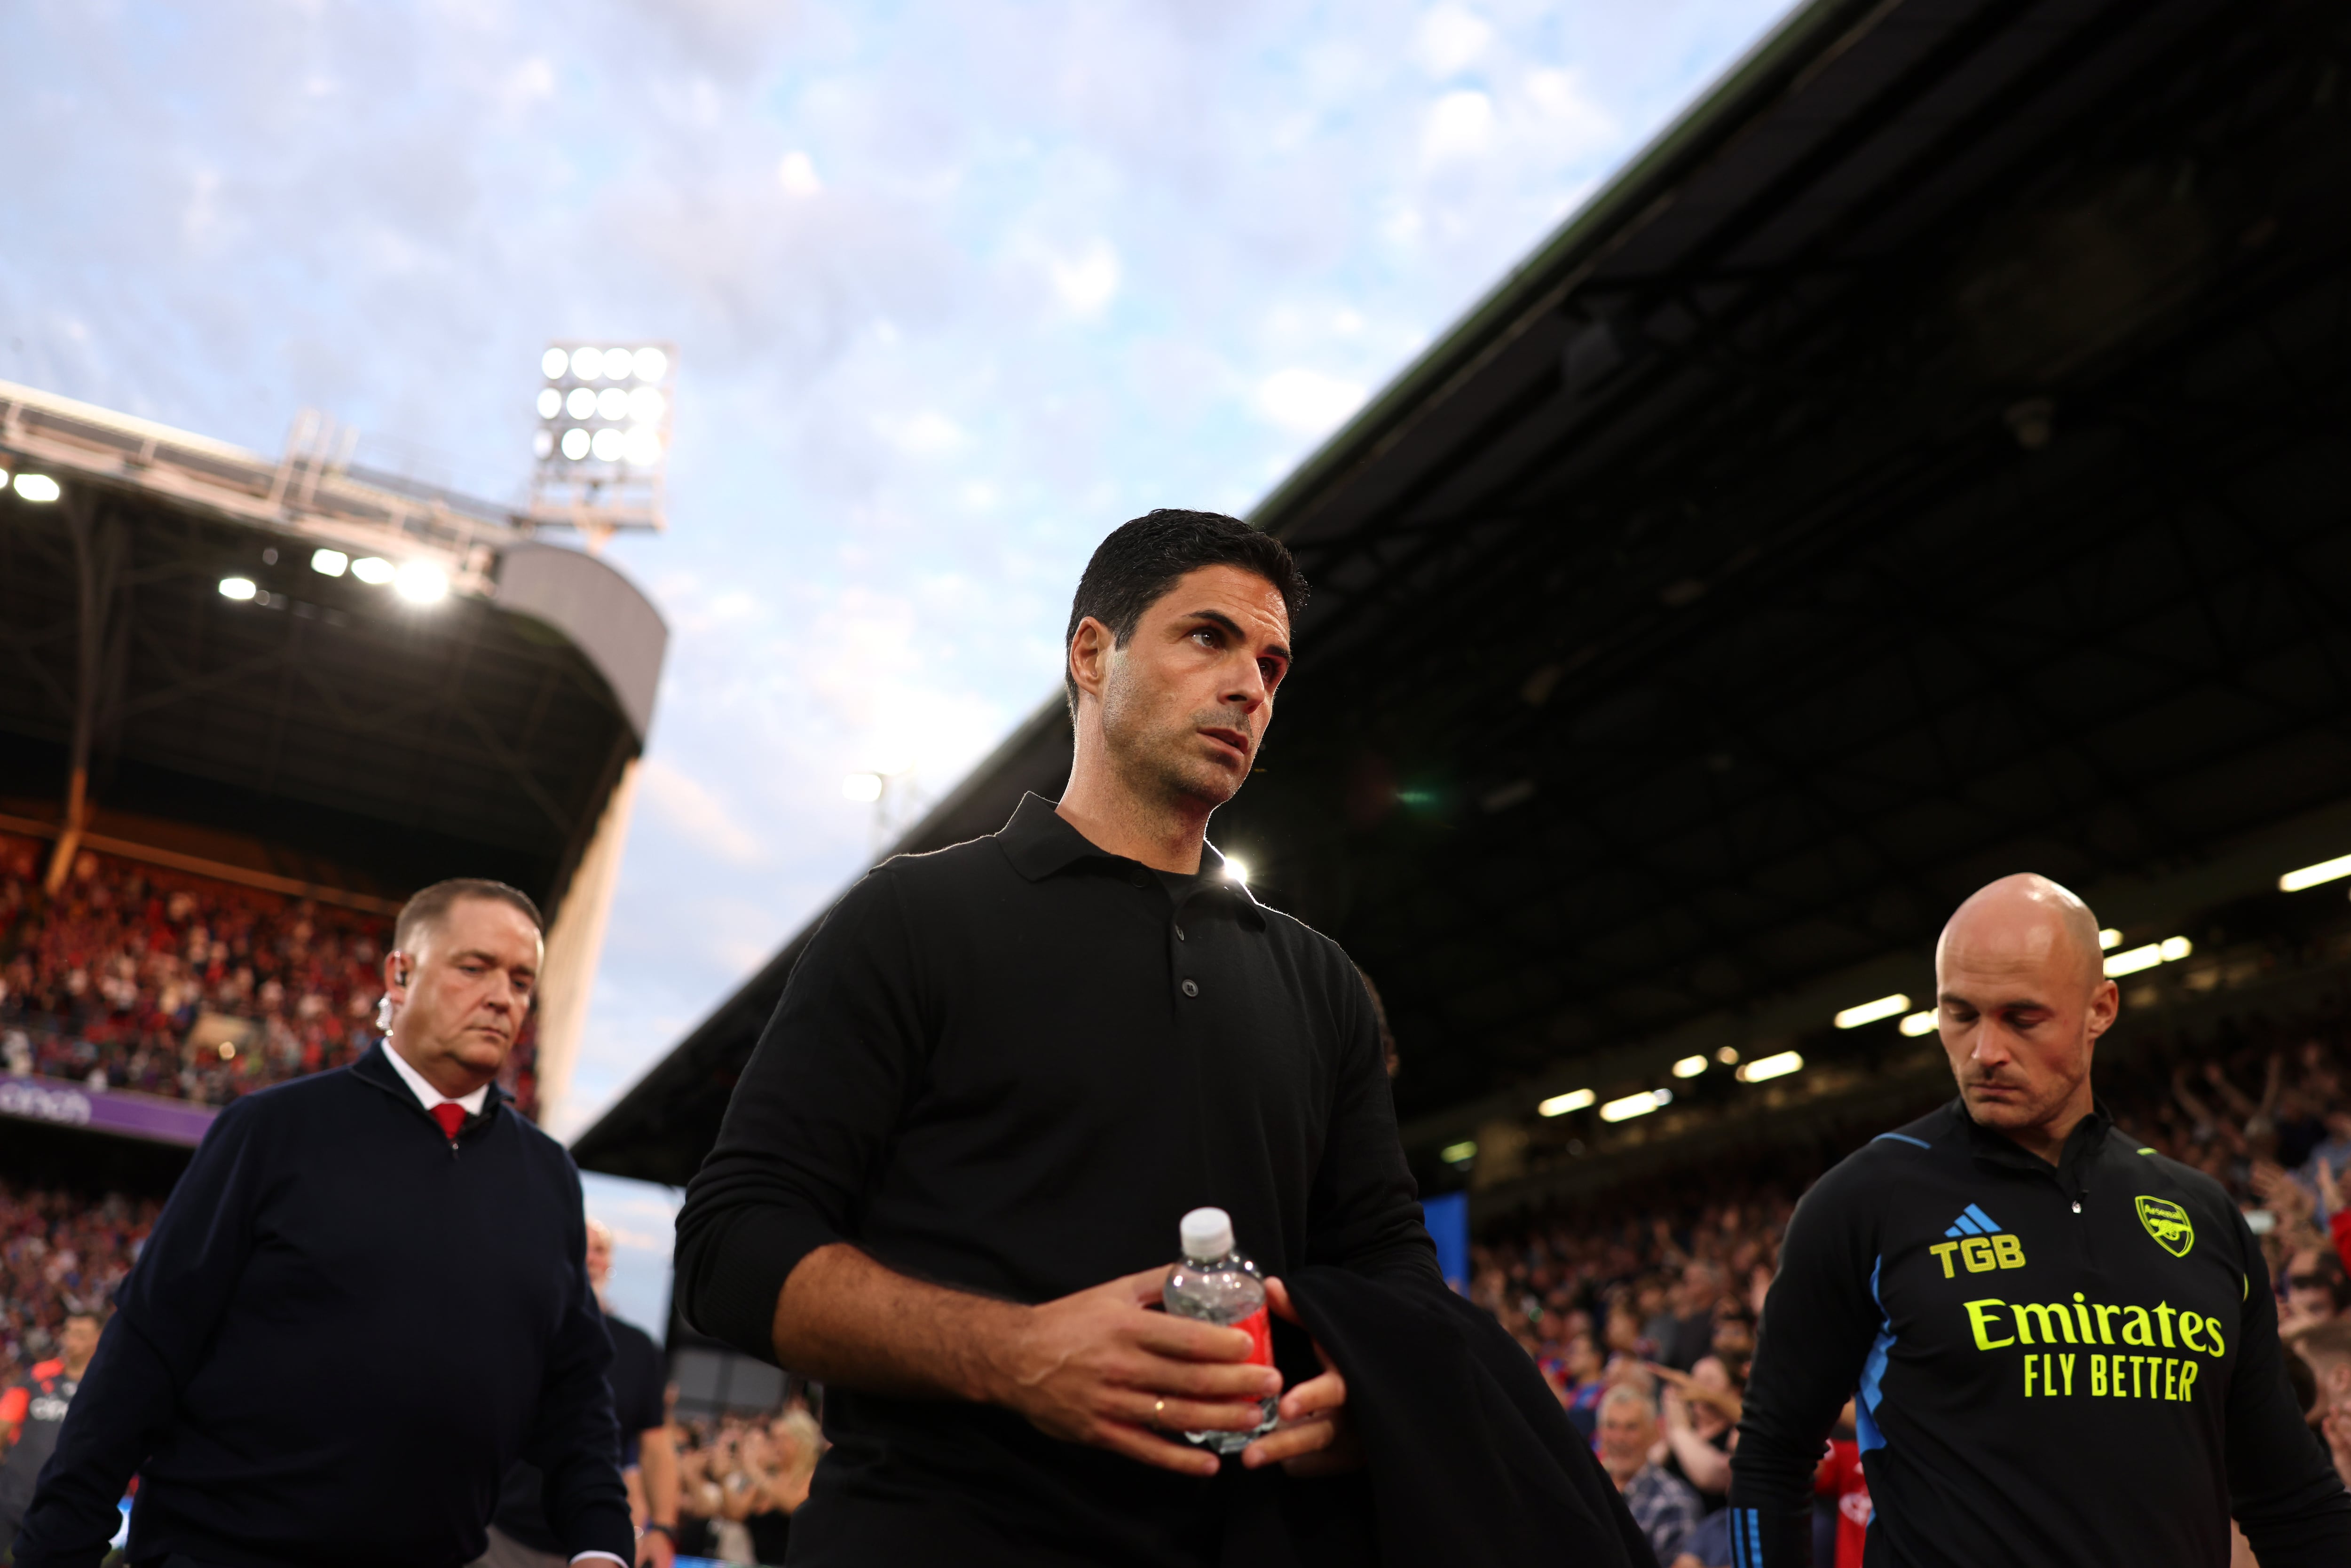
<point>1010,1067</point>
<point>2055,1365</point>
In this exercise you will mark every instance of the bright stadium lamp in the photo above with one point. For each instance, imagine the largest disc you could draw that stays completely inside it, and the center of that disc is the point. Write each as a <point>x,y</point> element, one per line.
<point>1690,1067</point>
<point>237,588</point>
<point>581,404</point>
<point>375,571</point>
<point>604,435</point>
<point>1764,1067</point>
<point>420,582</point>
<point>1459,1154</point>
<point>1870,1013</point>
<point>586,364</point>
<point>612,403</point>
<point>2308,876</point>
<point>329,562</point>
<point>651,364</point>
<point>640,448</point>
<point>609,444</point>
<point>37,489</point>
<point>550,402</point>
<point>1633,1105</point>
<point>646,405</point>
<point>1916,1024</point>
<point>2146,956</point>
<point>862,787</point>
<point>1560,1105</point>
<point>575,442</point>
<point>553,364</point>
<point>2109,938</point>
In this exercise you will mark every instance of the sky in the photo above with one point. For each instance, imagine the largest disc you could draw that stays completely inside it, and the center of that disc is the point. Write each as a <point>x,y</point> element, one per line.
<point>955,288</point>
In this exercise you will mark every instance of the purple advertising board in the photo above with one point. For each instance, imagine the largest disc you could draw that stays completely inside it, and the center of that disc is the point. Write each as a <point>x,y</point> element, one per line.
<point>64,1103</point>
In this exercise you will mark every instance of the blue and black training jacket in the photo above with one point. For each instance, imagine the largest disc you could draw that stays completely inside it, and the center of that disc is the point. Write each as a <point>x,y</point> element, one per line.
<point>2068,1364</point>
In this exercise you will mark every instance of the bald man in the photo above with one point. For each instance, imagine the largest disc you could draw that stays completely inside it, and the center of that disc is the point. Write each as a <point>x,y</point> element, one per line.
<point>2062,1347</point>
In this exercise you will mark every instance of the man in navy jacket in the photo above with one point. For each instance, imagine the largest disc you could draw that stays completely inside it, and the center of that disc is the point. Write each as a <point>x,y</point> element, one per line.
<point>365,1300</point>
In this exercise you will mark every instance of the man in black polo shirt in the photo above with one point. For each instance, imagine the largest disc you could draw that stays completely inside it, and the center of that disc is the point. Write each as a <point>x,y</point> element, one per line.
<point>2066,1345</point>
<point>950,1178</point>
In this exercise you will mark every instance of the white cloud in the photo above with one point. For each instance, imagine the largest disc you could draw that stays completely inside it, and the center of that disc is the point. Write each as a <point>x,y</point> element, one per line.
<point>1088,281</point>
<point>798,175</point>
<point>1308,402</point>
<point>1459,125</point>
<point>929,434</point>
<point>1450,38</point>
<point>697,813</point>
<point>1558,96</point>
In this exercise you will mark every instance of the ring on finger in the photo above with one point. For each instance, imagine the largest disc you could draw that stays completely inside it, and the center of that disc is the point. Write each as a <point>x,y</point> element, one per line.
<point>1158,1409</point>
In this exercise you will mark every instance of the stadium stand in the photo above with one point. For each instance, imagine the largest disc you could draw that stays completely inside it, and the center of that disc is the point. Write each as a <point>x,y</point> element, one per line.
<point>166,983</point>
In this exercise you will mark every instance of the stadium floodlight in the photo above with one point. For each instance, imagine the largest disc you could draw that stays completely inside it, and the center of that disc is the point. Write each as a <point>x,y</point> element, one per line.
<point>2308,876</point>
<point>329,562</point>
<point>1778,1066</point>
<point>1459,1153</point>
<point>865,786</point>
<point>554,364</point>
<point>550,401</point>
<point>1634,1105</point>
<point>1728,1056</point>
<point>237,588</point>
<point>587,364</point>
<point>37,489</point>
<point>603,437</point>
<point>580,405</point>
<point>2170,950</point>
<point>1690,1067</point>
<point>2109,939</point>
<point>575,442</point>
<point>420,582</point>
<point>651,364</point>
<point>374,569</point>
<point>608,443</point>
<point>1560,1105</point>
<point>640,448</point>
<point>1870,1013</point>
<point>1916,1024</point>
<point>612,403</point>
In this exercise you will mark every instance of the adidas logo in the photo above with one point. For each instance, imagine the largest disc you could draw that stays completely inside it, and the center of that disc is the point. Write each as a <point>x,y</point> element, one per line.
<point>1977,1242</point>
<point>1972,1221</point>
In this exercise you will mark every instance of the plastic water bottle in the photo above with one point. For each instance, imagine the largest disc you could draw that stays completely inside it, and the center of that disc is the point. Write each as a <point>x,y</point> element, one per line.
<point>1216,1283</point>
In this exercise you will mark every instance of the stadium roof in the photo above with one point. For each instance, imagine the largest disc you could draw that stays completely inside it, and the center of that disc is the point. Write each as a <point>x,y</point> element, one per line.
<point>323,732</point>
<point>1925,461</point>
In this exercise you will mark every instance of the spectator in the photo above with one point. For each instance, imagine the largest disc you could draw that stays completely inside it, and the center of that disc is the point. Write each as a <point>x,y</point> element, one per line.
<point>32,1411</point>
<point>1662,1505</point>
<point>1581,1384</point>
<point>1692,1335</point>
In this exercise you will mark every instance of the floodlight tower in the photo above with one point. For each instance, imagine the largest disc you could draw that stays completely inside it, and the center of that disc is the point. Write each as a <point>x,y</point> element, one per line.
<point>603,436</point>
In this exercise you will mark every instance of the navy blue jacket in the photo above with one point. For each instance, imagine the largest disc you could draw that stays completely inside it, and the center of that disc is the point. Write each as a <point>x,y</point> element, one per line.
<point>344,1330</point>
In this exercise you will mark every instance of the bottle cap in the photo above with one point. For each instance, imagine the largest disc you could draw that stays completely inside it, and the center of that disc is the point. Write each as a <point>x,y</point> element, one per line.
<point>1208,1234</point>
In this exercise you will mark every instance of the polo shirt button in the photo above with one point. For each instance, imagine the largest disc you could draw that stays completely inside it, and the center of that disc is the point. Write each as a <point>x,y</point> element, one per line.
<point>1191,987</point>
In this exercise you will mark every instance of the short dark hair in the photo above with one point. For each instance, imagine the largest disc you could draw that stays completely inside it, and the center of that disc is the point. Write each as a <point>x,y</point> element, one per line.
<point>1141,559</point>
<point>431,906</point>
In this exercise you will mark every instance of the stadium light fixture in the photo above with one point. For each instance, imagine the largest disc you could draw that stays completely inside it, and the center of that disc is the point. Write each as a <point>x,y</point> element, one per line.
<point>420,582</point>
<point>1728,1056</point>
<point>37,489</point>
<point>1560,1105</point>
<point>1634,1105</point>
<point>329,562</point>
<point>2293,881</point>
<point>1459,1153</point>
<point>1870,1013</point>
<point>2109,939</point>
<point>1778,1066</point>
<point>1916,1024</point>
<point>1690,1067</point>
<point>375,571</point>
<point>237,588</point>
<point>2170,950</point>
<point>864,786</point>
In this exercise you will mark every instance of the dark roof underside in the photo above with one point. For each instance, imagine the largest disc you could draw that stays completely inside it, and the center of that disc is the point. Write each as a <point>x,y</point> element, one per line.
<point>1929,461</point>
<point>371,744</point>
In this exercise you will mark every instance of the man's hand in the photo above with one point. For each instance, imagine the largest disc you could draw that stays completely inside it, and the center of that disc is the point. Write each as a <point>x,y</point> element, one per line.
<point>1099,1368</point>
<point>1315,1438</point>
<point>655,1550</point>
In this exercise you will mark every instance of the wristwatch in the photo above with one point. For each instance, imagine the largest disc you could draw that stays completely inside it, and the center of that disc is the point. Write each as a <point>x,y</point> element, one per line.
<point>657,1528</point>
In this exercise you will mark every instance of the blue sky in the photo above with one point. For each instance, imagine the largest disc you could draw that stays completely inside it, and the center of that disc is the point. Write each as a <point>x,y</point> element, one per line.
<point>957,289</point>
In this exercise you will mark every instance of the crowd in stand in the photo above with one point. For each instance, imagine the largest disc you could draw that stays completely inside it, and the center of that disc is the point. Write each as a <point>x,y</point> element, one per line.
<point>740,1479</point>
<point>60,1253</point>
<point>1645,1322</point>
<point>134,977</point>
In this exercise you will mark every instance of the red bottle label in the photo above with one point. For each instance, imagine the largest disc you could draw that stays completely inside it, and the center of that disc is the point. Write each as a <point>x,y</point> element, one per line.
<point>1259,1329</point>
